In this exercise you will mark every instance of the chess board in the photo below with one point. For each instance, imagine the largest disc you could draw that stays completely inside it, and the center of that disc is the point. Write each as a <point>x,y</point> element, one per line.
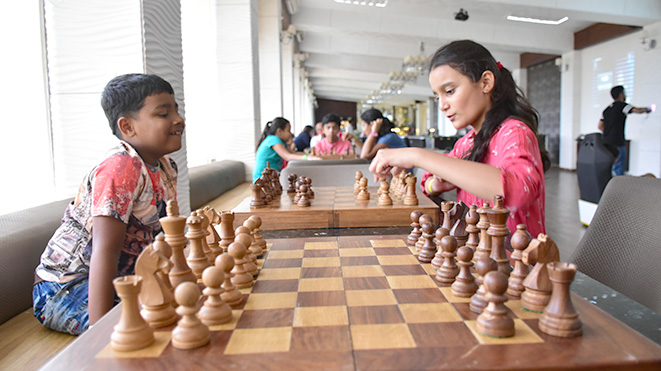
<point>365,303</point>
<point>335,207</point>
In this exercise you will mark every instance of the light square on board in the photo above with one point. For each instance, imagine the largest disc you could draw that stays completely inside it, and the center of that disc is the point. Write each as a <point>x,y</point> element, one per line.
<point>429,312</point>
<point>259,340</point>
<point>397,260</point>
<point>321,284</point>
<point>321,316</point>
<point>516,307</point>
<point>381,336</point>
<point>388,243</point>
<point>286,254</point>
<point>362,271</point>
<point>321,262</point>
<point>359,251</point>
<point>447,292</point>
<point>410,282</point>
<point>161,340</point>
<point>370,297</point>
<point>321,245</point>
<point>279,274</point>
<point>236,313</point>
<point>272,300</point>
<point>522,334</point>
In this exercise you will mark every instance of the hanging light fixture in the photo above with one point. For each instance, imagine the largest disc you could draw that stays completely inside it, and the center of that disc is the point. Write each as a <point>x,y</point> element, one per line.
<point>415,63</point>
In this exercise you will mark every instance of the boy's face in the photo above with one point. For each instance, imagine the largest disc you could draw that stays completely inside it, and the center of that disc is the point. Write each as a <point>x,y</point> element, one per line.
<point>157,128</point>
<point>330,131</point>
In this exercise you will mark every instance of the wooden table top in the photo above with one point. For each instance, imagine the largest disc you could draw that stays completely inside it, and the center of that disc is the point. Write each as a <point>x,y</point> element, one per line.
<point>365,302</point>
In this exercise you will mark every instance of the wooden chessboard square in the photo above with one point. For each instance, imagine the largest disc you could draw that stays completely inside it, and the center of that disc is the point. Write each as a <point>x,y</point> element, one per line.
<point>410,282</point>
<point>259,340</point>
<point>354,242</point>
<point>358,251</point>
<point>517,309</point>
<point>322,245</point>
<point>376,314</point>
<point>397,260</point>
<point>321,284</point>
<point>282,263</point>
<point>448,334</point>
<point>370,297</point>
<point>382,336</point>
<point>320,253</point>
<point>321,316</point>
<point>161,340</point>
<point>362,271</point>
<point>412,296</point>
<point>522,334</point>
<point>465,312</point>
<point>366,283</point>
<point>321,262</point>
<point>264,286</point>
<point>392,251</point>
<point>260,263</point>
<point>279,274</point>
<point>266,318</point>
<point>428,269</point>
<point>236,314</point>
<point>320,299</point>
<point>388,243</point>
<point>318,272</point>
<point>359,260</point>
<point>292,245</point>
<point>271,300</point>
<point>321,338</point>
<point>286,254</point>
<point>447,292</point>
<point>403,270</point>
<point>429,312</point>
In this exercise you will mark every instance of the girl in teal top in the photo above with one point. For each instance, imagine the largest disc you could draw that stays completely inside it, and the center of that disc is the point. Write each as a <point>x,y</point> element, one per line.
<point>272,147</point>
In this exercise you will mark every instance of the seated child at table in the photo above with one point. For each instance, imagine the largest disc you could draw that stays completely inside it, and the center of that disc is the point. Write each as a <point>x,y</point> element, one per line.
<point>116,211</point>
<point>378,134</point>
<point>332,143</point>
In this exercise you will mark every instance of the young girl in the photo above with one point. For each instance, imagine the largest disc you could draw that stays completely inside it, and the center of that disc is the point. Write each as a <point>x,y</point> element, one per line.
<point>272,147</point>
<point>499,155</point>
<point>331,143</point>
<point>377,134</point>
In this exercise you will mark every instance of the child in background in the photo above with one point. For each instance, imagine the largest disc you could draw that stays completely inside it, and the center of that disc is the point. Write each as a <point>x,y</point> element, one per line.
<point>378,134</point>
<point>332,143</point>
<point>499,155</point>
<point>302,140</point>
<point>117,209</point>
<point>272,147</point>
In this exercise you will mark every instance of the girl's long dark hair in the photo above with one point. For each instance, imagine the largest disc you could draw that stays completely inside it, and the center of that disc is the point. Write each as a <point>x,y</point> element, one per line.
<point>472,59</point>
<point>373,114</point>
<point>271,127</point>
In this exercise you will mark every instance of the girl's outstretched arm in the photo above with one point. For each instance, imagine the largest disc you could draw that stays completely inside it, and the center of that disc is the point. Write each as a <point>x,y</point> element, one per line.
<point>283,152</point>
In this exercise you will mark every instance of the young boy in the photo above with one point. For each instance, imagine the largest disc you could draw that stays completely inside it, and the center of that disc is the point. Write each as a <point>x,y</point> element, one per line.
<point>332,144</point>
<point>117,209</point>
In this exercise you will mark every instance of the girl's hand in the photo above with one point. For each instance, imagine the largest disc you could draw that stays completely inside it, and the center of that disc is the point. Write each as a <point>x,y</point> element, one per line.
<point>376,125</point>
<point>389,160</point>
<point>314,158</point>
<point>347,136</point>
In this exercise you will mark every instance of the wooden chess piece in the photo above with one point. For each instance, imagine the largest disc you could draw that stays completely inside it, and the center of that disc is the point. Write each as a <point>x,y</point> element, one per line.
<point>266,188</point>
<point>255,249</point>
<point>308,182</point>
<point>520,240</point>
<point>215,310</point>
<point>424,218</point>
<point>173,227</point>
<point>498,231</point>
<point>559,317</point>
<point>226,229</point>
<point>213,238</point>
<point>429,248</point>
<point>303,200</point>
<point>410,199</point>
<point>241,278</point>
<point>197,259</point>
<point>472,217</point>
<point>258,236</point>
<point>446,207</point>
<point>231,296</point>
<point>132,332</point>
<point>494,320</point>
<point>190,331</point>
<point>384,194</point>
<point>155,296</point>
<point>363,193</point>
<point>243,236</point>
<point>166,250</point>
<point>205,229</point>
<point>484,246</point>
<point>292,179</point>
<point>464,285</point>
<point>448,270</point>
<point>483,266</point>
<point>415,232</point>
<point>403,176</point>
<point>541,251</point>
<point>438,257</point>
<point>356,186</point>
<point>458,231</point>
<point>256,201</point>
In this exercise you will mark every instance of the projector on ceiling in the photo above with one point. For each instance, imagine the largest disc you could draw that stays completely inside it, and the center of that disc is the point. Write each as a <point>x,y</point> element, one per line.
<point>462,15</point>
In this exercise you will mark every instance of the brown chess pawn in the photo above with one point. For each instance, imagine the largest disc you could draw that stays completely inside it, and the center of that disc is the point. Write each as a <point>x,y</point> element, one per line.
<point>429,248</point>
<point>308,182</point>
<point>363,193</point>
<point>498,231</point>
<point>156,294</point>
<point>258,236</point>
<point>384,194</point>
<point>292,179</point>
<point>132,332</point>
<point>410,199</point>
<point>241,279</point>
<point>256,201</point>
<point>560,318</point>
<point>494,321</point>
<point>197,259</point>
<point>541,251</point>
<point>415,232</point>
<point>190,331</point>
<point>174,226</point>
<point>255,248</point>
<point>424,218</point>
<point>483,266</point>
<point>464,285</point>
<point>231,296</point>
<point>448,270</point>
<point>438,257</point>
<point>356,186</point>
<point>303,200</point>
<point>215,310</point>
<point>520,240</point>
<point>226,229</point>
<point>243,236</point>
<point>472,217</point>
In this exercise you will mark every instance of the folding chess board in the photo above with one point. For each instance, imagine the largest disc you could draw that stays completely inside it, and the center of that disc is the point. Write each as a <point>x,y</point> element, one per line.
<point>335,207</point>
<point>365,303</point>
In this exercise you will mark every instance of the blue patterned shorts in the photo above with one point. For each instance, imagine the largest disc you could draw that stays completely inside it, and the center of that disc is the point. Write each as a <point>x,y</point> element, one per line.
<point>62,306</point>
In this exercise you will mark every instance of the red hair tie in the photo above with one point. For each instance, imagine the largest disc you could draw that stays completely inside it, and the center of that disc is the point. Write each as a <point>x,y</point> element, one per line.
<point>500,66</point>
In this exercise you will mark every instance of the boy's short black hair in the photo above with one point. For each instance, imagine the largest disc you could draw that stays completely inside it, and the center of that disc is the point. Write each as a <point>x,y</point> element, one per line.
<point>615,92</point>
<point>125,95</point>
<point>331,117</point>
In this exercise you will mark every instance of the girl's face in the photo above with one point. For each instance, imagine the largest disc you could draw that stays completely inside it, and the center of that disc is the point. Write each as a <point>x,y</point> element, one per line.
<point>330,131</point>
<point>463,101</point>
<point>284,134</point>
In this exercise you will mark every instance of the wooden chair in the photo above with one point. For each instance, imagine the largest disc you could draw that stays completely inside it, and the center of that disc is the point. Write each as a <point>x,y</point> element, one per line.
<point>622,246</point>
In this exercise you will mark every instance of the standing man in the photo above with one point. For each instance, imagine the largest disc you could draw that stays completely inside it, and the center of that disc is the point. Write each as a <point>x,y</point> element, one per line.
<point>612,124</point>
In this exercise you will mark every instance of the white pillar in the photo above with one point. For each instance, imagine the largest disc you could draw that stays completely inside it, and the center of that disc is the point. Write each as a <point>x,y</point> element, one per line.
<point>270,59</point>
<point>570,108</point>
<point>297,95</point>
<point>287,78</point>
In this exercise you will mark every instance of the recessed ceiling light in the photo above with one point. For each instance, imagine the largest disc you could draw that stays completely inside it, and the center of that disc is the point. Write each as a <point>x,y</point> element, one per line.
<point>377,3</point>
<point>536,20</point>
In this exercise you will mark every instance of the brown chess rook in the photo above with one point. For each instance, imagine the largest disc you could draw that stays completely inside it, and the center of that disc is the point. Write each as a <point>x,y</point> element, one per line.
<point>559,317</point>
